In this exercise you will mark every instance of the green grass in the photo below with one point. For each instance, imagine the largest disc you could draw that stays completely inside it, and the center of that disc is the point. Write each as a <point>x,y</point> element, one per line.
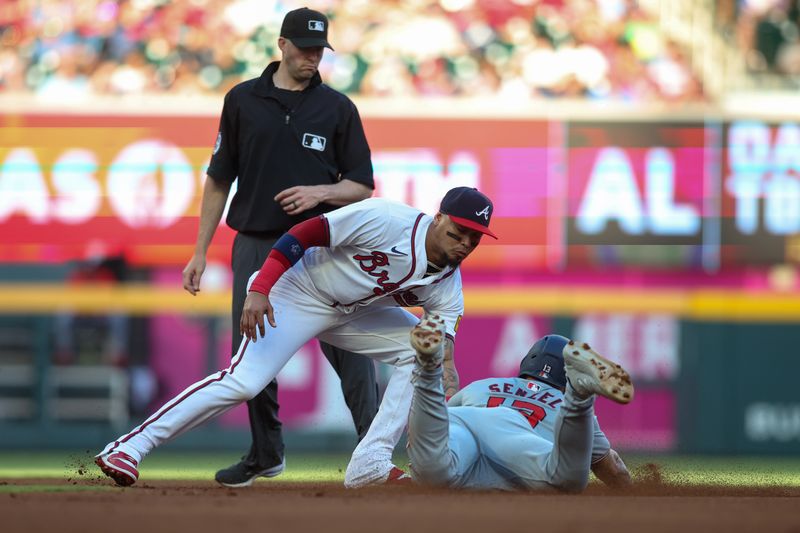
<point>162,465</point>
<point>720,471</point>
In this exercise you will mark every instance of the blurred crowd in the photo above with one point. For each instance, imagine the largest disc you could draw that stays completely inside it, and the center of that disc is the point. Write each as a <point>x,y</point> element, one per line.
<point>767,30</point>
<point>600,49</point>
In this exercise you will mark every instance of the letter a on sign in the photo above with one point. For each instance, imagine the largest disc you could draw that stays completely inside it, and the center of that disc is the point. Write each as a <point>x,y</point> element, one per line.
<point>611,194</point>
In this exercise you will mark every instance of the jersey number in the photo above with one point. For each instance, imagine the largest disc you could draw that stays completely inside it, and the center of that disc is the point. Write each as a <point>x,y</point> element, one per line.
<point>532,412</point>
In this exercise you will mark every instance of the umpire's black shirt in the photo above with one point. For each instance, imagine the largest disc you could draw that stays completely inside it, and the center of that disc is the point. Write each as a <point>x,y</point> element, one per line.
<point>273,139</point>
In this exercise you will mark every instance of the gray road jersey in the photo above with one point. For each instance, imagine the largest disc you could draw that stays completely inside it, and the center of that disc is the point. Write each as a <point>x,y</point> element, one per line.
<point>508,423</point>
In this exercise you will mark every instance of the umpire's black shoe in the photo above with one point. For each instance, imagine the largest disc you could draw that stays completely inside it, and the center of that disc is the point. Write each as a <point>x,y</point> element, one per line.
<point>242,474</point>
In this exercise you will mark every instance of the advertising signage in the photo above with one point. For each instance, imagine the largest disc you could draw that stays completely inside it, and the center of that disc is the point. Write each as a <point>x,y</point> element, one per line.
<point>760,191</point>
<point>691,194</point>
<point>636,184</point>
<point>135,182</point>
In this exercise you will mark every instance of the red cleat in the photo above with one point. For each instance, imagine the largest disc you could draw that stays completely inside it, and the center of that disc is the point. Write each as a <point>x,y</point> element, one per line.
<point>398,477</point>
<point>120,467</point>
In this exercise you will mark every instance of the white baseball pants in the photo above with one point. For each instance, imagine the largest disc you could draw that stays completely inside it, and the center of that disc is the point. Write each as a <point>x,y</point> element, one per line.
<point>377,331</point>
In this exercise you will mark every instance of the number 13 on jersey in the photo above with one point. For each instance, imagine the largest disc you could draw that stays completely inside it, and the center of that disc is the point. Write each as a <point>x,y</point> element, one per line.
<point>532,412</point>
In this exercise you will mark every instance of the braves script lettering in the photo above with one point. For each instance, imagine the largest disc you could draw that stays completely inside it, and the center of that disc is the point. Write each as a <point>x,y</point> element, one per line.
<point>407,298</point>
<point>410,298</point>
<point>369,264</point>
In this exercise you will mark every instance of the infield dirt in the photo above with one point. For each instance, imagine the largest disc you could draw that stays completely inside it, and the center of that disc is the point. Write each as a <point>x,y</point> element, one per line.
<point>277,506</point>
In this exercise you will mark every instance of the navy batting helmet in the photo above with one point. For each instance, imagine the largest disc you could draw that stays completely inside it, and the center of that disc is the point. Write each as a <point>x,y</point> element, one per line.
<point>545,361</point>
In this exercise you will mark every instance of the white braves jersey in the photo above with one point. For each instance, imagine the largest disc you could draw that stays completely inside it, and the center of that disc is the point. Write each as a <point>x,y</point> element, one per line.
<point>536,401</point>
<point>377,257</point>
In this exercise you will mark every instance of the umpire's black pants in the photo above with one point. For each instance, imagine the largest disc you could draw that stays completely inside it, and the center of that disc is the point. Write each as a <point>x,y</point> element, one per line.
<point>356,372</point>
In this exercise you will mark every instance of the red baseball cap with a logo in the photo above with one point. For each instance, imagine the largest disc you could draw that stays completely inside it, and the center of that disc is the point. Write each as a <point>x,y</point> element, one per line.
<point>468,207</point>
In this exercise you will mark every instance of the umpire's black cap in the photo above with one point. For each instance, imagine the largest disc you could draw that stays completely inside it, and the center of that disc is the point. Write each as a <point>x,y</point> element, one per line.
<point>306,28</point>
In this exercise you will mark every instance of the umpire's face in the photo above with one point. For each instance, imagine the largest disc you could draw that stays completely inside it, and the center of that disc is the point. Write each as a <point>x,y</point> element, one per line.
<point>301,63</point>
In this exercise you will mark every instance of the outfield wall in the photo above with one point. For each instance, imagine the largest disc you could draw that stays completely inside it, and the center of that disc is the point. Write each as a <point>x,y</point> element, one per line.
<point>711,374</point>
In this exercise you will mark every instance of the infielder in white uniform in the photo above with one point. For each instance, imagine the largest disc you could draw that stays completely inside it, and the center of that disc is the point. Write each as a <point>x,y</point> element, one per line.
<point>342,277</point>
<point>536,431</point>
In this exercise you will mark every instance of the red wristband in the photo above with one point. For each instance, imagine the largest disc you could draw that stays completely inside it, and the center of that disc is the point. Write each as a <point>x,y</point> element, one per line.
<point>274,267</point>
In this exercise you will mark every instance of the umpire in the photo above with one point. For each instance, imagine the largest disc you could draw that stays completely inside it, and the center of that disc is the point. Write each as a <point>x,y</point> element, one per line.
<point>298,150</point>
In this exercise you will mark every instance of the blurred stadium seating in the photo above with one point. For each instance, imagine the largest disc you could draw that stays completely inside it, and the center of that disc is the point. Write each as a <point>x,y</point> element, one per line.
<point>768,33</point>
<point>608,49</point>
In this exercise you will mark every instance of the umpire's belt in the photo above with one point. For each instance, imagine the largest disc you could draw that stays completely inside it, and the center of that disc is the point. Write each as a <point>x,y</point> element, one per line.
<point>264,235</point>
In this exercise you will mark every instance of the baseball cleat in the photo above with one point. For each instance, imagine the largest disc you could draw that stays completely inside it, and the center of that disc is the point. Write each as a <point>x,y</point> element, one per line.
<point>427,339</point>
<point>590,373</point>
<point>119,466</point>
<point>243,475</point>
<point>398,476</point>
